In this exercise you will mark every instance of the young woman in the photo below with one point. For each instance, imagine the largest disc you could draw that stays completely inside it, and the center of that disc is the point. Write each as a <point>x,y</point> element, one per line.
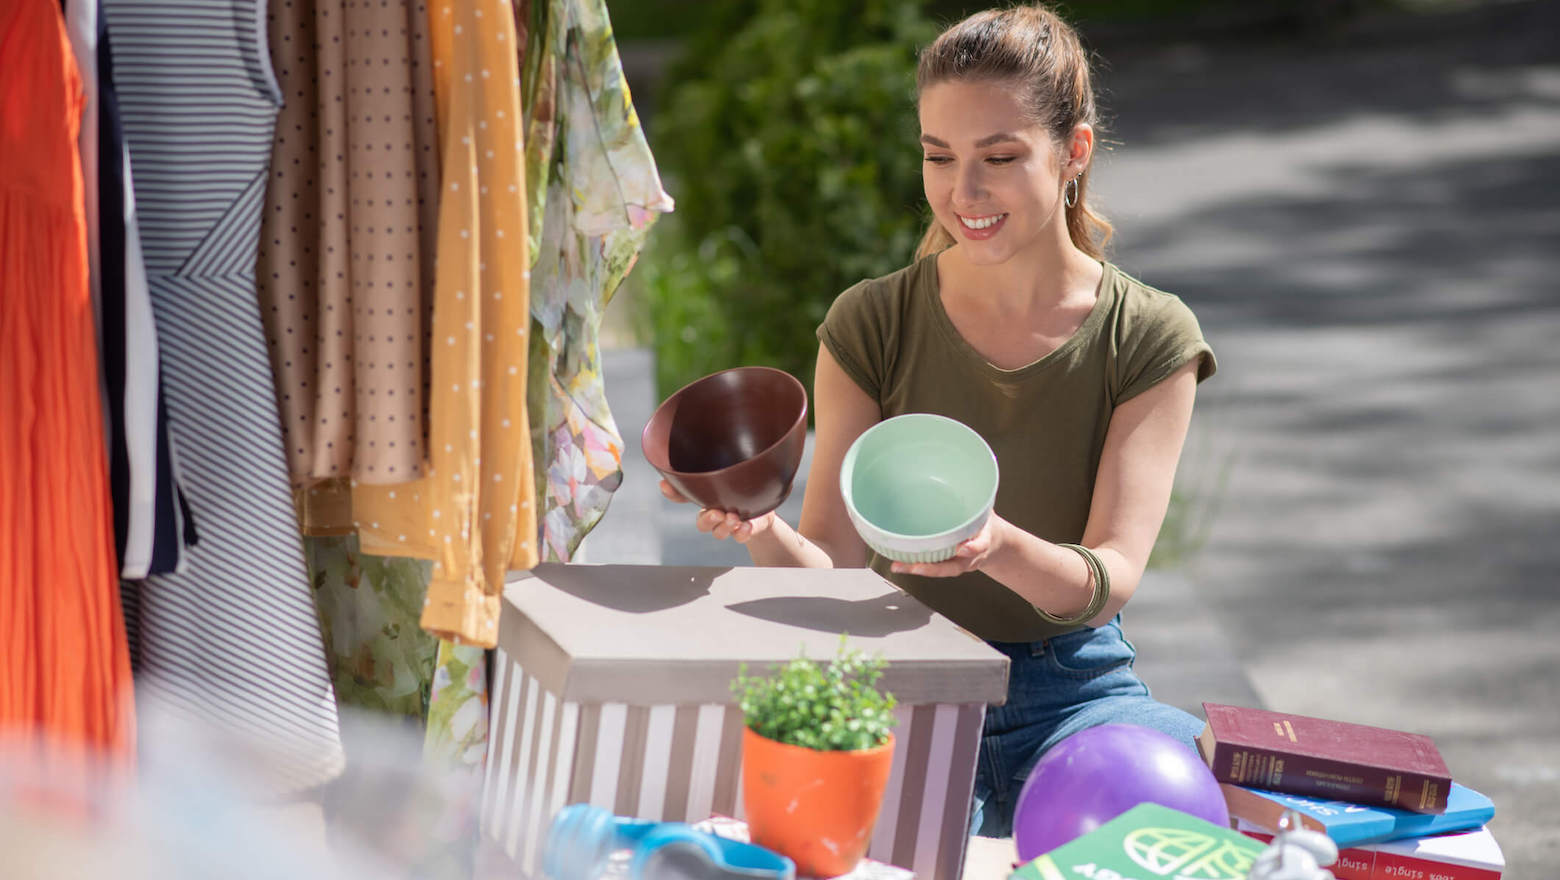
<point>1080,378</point>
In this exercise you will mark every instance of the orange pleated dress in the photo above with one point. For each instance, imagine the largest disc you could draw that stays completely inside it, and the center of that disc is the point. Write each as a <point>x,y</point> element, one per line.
<point>64,662</point>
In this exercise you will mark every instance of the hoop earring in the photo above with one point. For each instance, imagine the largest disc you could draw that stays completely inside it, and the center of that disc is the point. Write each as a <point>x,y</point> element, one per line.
<point>1070,191</point>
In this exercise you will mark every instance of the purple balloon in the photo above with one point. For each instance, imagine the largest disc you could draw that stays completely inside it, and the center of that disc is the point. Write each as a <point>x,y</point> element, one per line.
<point>1101,772</point>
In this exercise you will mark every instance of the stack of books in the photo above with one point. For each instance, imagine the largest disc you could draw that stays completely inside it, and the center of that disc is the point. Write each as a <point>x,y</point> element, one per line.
<point>1384,796</point>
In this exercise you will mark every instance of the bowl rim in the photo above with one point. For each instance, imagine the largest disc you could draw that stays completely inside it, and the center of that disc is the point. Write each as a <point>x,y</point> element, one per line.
<point>644,434</point>
<point>848,495</point>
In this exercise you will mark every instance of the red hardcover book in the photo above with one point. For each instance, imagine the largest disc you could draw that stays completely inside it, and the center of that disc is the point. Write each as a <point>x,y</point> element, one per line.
<point>1298,754</point>
<point>1470,855</point>
<point>1353,863</point>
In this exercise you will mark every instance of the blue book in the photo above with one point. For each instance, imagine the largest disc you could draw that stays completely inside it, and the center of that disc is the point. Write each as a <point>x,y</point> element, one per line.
<point>1349,823</point>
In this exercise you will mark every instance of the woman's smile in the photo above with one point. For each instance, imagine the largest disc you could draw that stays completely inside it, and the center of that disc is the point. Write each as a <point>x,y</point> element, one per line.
<point>979,227</point>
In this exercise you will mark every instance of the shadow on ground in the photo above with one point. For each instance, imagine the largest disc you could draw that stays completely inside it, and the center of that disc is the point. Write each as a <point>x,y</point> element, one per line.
<point>1368,233</point>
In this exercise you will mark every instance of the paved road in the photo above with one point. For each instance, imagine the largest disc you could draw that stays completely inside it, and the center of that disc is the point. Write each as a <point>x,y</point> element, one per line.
<point>1370,234</point>
<point>1369,231</point>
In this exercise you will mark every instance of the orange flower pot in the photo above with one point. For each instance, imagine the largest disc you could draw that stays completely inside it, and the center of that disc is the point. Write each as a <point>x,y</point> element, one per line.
<point>817,807</point>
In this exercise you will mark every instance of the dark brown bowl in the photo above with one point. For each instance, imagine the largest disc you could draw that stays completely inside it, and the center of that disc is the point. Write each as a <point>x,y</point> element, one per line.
<point>731,440</point>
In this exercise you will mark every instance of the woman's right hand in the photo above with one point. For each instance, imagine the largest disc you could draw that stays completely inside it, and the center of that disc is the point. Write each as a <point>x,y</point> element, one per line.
<point>722,523</point>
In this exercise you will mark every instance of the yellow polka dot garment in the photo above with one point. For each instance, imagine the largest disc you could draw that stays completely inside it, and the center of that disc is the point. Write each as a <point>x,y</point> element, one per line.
<point>471,512</point>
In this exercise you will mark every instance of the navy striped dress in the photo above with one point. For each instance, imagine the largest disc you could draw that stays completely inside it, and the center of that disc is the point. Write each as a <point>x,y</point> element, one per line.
<point>232,642</point>
<point>152,522</point>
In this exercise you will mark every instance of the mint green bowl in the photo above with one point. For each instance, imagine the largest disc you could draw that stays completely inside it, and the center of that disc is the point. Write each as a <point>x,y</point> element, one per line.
<point>916,486</point>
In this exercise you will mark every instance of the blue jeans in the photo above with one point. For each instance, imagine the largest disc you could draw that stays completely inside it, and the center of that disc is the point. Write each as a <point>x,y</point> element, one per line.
<point>1057,687</point>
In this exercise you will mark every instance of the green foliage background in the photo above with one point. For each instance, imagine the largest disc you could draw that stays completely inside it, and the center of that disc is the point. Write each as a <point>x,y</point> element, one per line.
<point>786,131</point>
<point>787,136</point>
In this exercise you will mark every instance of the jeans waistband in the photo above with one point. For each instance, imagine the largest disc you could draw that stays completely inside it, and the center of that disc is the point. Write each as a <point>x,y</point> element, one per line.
<point>1039,647</point>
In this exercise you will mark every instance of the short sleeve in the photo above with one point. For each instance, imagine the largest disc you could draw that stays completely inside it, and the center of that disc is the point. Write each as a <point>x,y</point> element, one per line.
<point>1158,338</point>
<point>857,332</point>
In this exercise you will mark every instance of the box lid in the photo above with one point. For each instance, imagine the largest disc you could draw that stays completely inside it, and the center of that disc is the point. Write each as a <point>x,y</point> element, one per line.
<point>652,635</point>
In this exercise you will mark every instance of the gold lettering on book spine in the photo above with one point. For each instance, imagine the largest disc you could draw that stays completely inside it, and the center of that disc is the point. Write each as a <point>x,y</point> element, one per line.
<point>1260,768</point>
<point>1428,793</point>
<point>1285,730</point>
<point>1336,777</point>
<point>1394,787</point>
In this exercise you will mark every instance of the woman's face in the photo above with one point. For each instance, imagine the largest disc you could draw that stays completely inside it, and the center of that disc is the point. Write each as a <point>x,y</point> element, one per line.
<point>992,177</point>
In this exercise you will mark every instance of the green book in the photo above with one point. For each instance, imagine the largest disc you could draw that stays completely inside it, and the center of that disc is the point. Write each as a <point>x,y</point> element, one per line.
<point>1149,842</point>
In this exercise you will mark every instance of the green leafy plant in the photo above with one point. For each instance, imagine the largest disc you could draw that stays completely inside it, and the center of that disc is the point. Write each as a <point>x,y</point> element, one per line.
<point>788,135</point>
<point>831,707</point>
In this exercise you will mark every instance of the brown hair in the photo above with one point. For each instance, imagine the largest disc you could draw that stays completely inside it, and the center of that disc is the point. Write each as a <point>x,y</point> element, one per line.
<point>1032,47</point>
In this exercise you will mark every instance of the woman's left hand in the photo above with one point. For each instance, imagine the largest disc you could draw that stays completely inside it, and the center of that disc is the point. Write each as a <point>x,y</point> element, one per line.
<point>970,556</point>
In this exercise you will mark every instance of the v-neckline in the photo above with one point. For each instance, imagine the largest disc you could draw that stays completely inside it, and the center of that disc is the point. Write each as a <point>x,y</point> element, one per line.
<point>933,289</point>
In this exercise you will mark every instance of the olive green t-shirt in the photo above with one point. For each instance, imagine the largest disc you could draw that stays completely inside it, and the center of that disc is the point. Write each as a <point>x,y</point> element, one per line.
<point>1046,421</point>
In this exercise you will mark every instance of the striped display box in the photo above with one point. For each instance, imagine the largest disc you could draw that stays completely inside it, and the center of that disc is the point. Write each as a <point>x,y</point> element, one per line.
<point>613,686</point>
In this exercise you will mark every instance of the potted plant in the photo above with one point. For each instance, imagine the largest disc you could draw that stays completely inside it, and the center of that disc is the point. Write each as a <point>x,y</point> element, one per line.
<point>817,748</point>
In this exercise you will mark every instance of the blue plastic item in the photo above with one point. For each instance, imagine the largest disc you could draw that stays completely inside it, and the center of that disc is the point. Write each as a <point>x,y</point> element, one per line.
<point>583,837</point>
